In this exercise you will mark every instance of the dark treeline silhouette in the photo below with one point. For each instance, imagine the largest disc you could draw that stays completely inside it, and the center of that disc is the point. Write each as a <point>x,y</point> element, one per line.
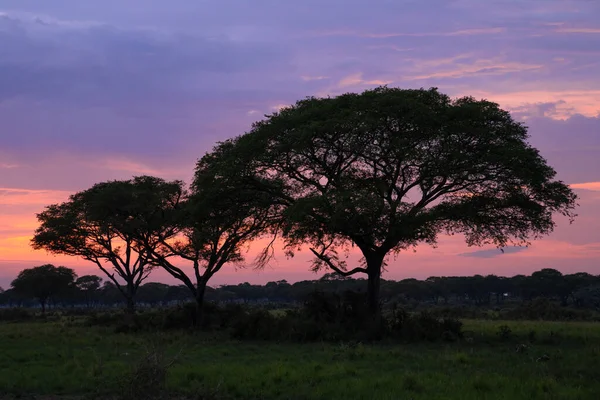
<point>581,290</point>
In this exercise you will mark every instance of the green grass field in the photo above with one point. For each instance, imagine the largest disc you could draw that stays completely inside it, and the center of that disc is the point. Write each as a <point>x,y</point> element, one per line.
<point>57,359</point>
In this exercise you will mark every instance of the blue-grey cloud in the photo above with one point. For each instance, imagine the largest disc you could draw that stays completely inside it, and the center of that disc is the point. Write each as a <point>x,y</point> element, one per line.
<point>493,252</point>
<point>99,65</point>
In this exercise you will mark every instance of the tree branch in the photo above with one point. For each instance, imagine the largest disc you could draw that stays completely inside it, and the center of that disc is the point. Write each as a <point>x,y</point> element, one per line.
<point>331,265</point>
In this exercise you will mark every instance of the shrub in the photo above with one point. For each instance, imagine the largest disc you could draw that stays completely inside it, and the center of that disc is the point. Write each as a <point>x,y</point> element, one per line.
<point>331,317</point>
<point>104,319</point>
<point>15,315</point>
<point>147,379</point>
<point>423,326</point>
<point>255,324</point>
<point>543,309</point>
<point>504,332</point>
<point>532,336</point>
<point>181,317</point>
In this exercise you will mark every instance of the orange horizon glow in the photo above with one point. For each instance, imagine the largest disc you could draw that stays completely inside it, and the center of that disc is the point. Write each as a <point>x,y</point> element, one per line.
<point>449,257</point>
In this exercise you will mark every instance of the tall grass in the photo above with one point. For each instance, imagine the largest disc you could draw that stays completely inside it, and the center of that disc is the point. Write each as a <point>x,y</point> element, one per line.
<point>58,359</point>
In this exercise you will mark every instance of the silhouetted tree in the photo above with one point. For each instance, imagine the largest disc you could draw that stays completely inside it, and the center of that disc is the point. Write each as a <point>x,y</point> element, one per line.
<point>153,293</point>
<point>105,224</point>
<point>210,228</point>
<point>88,286</point>
<point>579,280</point>
<point>388,169</point>
<point>44,282</point>
<point>588,296</point>
<point>178,293</point>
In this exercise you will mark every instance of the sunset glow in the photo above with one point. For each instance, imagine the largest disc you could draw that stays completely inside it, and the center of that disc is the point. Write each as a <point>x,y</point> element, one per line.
<point>90,94</point>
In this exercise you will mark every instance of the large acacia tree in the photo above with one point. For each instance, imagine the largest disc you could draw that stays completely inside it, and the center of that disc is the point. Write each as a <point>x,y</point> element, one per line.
<point>387,169</point>
<point>106,224</point>
<point>211,227</point>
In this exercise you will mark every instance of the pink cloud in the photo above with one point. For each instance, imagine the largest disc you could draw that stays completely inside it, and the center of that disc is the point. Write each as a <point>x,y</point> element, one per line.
<point>578,30</point>
<point>24,197</point>
<point>480,67</point>
<point>388,35</point>
<point>595,186</point>
<point>570,102</point>
<point>357,80</point>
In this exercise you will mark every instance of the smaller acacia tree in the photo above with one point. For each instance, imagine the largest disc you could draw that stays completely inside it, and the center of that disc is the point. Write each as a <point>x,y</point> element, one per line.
<point>44,282</point>
<point>104,225</point>
<point>210,228</point>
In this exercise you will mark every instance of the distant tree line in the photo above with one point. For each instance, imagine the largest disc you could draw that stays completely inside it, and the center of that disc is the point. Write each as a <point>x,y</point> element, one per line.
<point>60,287</point>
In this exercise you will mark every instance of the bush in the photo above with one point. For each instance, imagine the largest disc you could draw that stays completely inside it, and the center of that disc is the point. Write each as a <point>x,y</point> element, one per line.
<point>422,326</point>
<point>543,309</point>
<point>15,315</point>
<point>335,318</point>
<point>147,379</point>
<point>330,317</point>
<point>253,325</point>
<point>181,317</point>
<point>504,332</point>
<point>104,319</point>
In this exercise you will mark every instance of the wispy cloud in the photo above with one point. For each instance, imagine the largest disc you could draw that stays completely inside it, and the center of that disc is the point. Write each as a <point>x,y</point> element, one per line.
<point>391,47</point>
<point>388,35</point>
<point>480,31</point>
<point>24,197</point>
<point>579,30</point>
<point>423,63</point>
<point>313,78</point>
<point>357,80</point>
<point>279,107</point>
<point>584,102</point>
<point>555,110</point>
<point>595,186</point>
<point>480,67</point>
<point>552,249</point>
<point>8,166</point>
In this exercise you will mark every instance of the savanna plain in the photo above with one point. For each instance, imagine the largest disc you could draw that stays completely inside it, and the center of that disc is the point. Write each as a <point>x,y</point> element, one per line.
<point>62,358</point>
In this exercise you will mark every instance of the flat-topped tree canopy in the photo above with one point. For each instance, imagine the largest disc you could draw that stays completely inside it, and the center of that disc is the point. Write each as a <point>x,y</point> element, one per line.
<point>389,168</point>
<point>106,223</point>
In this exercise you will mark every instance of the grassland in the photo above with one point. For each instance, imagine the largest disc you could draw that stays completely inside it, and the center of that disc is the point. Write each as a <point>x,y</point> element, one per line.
<point>59,359</point>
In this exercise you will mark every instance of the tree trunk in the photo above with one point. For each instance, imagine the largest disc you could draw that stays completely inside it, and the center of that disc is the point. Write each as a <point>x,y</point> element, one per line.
<point>43,304</point>
<point>374,265</point>
<point>130,305</point>
<point>130,311</point>
<point>199,317</point>
<point>374,288</point>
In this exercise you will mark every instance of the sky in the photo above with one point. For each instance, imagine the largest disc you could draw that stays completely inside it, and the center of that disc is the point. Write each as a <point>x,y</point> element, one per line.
<point>99,90</point>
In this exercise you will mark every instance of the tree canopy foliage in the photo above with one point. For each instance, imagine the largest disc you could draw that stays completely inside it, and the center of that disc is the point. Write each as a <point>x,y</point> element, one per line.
<point>209,228</point>
<point>104,225</point>
<point>389,168</point>
<point>44,282</point>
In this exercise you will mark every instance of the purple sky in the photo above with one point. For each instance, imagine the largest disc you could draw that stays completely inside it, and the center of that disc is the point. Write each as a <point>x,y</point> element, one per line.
<point>98,90</point>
